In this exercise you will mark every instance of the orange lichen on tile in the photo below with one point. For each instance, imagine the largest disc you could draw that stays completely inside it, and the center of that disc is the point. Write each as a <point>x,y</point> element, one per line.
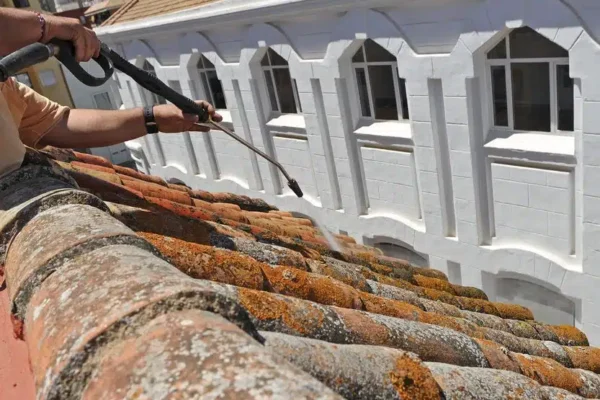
<point>392,308</point>
<point>229,213</point>
<point>92,159</point>
<point>412,380</point>
<point>498,356</point>
<point>229,206</point>
<point>467,291</point>
<point>182,209</point>
<point>84,166</point>
<point>569,335</point>
<point>438,295</point>
<point>203,195</point>
<point>132,173</point>
<point>298,221</point>
<point>399,283</point>
<point>513,311</point>
<point>202,204</point>
<point>477,305</point>
<point>456,324</point>
<point>109,177</point>
<point>548,372</point>
<point>206,262</point>
<point>163,222</point>
<point>180,188</point>
<point>434,283</point>
<point>266,307</point>
<point>158,191</point>
<point>281,213</point>
<point>313,287</point>
<point>364,329</point>
<point>584,357</point>
<point>108,191</point>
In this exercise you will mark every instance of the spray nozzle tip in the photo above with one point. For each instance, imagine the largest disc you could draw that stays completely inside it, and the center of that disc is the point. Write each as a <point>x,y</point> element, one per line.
<point>293,184</point>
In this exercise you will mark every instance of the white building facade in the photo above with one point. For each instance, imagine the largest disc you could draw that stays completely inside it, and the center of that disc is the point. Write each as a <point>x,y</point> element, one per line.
<point>464,130</point>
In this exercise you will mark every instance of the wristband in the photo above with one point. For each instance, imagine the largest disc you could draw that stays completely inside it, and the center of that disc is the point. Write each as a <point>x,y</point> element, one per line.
<point>42,21</point>
<point>149,121</point>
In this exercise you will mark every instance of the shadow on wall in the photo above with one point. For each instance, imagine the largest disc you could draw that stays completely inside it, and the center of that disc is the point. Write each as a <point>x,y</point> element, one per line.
<point>547,305</point>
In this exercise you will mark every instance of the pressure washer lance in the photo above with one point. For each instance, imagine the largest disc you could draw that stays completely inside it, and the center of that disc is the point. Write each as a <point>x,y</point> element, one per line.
<point>36,53</point>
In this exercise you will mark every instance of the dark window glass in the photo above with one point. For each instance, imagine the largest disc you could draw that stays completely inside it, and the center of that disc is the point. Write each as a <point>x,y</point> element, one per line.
<point>564,91</point>
<point>276,59</point>
<point>359,57</point>
<point>383,92</point>
<point>265,60</point>
<point>377,53</point>
<point>216,89</point>
<point>531,96</point>
<point>499,95</point>
<point>271,91</point>
<point>203,63</point>
<point>283,83</point>
<point>361,80</point>
<point>498,52</point>
<point>404,99</point>
<point>527,43</point>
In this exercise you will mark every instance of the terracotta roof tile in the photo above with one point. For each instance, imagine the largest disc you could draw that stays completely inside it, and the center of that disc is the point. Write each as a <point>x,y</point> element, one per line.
<point>139,9</point>
<point>106,293</point>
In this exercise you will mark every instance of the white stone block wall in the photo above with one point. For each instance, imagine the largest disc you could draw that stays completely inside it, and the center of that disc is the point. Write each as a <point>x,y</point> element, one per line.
<point>533,206</point>
<point>518,210</point>
<point>391,183</point>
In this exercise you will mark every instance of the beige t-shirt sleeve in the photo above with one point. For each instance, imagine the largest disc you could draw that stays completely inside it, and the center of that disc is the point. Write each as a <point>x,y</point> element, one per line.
<point>34,114</point>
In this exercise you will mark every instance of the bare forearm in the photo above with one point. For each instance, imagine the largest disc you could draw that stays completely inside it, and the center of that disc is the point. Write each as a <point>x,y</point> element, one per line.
<point>18,28</point>
<point>96,128</point>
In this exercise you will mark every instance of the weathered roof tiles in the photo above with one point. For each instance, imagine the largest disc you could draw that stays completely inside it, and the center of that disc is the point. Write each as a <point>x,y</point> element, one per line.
<point>105,314</point>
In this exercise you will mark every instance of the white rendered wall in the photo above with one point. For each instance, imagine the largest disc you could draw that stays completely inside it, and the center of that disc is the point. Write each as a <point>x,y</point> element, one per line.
<point>517,214</point>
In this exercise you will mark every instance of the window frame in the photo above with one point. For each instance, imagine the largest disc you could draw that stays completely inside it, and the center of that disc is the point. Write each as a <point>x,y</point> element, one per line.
<point>203,74</point>
<point>110,100</point>
<point>269,70</point>
<point>364,65</point>
<point>151,97</point>
<point>553,63</point>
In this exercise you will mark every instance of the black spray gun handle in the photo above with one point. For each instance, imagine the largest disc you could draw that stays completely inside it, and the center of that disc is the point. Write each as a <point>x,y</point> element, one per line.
<point>36,53</point>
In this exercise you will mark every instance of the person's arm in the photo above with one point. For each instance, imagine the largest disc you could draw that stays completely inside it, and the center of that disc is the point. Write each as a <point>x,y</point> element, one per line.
<point>19,28</point>
<point>98,128</point>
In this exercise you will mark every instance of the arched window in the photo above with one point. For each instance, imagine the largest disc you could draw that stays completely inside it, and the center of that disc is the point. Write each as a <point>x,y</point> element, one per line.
<point>402,253</point>
<point>282,89</point>
<point>547,305</point>
<point>152,98</point>
<point>381,92</point>
<point>530,85</point>
<point>212,85</point>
